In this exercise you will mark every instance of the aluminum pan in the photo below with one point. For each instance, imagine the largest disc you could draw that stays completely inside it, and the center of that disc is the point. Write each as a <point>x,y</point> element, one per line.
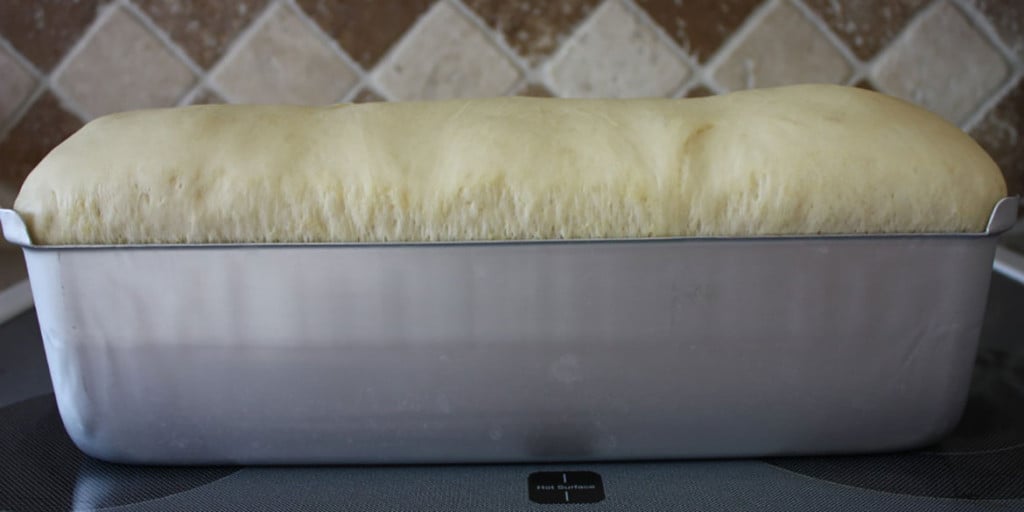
<point>516,351</point>
<point>524,352</point>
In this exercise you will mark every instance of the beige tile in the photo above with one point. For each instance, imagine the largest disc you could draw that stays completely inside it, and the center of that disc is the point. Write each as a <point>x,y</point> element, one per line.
<point>943,63</point>
<point>445,56</point>
<point>616,55</point>
<point>284,61</point>
<point>16,83</point>
<point>533,28</point>
<point>123,67</point>
<point>784,48</point>
<point>1007,17</point>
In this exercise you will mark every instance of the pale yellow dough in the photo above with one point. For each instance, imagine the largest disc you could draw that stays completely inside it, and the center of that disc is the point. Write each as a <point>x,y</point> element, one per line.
<point>795,160</point>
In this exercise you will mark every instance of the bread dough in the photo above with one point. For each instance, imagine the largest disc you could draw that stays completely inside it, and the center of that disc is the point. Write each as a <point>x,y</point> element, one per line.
<point>786,161</point>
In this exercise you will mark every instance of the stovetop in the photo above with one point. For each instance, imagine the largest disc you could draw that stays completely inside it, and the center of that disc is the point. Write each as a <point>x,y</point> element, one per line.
<point>978,467</point>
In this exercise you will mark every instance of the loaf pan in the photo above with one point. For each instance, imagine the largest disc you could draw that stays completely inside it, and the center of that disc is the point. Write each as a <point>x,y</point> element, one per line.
<point>511,351</point>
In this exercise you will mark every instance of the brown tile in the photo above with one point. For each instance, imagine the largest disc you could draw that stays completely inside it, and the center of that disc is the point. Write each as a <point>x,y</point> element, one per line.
<point>535,90</point>
<point>1007,16</point>
<point>866,26</point>
<point>16,85</point>
<point>123,66</point>
<point>44,30</point>
<point>1001,133</point>
<point>207,97</point>
<point>284,61</point>
<point>864,83</point>
<point>446,56</point>
<point>367,95</point>
<point>366,29</point>
<point>617,54</point>
<point>767,55</point>
<point>533,28</point>
<point>699,26</point>
<point>204,29</point>
<point>943,63</point>
<point>44,126</point>
<point>700,91</point>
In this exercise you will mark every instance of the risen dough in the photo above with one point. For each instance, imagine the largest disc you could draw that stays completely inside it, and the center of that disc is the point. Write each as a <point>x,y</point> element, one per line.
<point>793,160</point>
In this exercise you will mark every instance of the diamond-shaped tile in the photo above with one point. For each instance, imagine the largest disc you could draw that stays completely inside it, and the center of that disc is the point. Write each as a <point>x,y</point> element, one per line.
<point>123,67</point>
<point>699,26</point>
<point>445,56</point>
<point>616,55</point>
<point>45,125</point>
<point>43,30</point>
<point>943,64</point>
<point>1008,18</point>
<point>284,61</point>
<point>866,26</point>
<point>1001,133</point>
<point>785,48</point>
<point>533,28</point>
<point>203,29</point>
<point>365,29</point>
<point>16,83</point>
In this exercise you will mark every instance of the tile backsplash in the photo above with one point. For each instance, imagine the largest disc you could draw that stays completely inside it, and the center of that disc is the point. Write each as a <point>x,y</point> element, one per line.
<point>63,62</point>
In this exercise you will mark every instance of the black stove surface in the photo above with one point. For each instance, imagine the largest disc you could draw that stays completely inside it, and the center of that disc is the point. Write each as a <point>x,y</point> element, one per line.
<point>980,466</point>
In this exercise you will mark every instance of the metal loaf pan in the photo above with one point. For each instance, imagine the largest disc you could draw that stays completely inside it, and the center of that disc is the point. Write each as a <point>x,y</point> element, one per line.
<point>511,351</point>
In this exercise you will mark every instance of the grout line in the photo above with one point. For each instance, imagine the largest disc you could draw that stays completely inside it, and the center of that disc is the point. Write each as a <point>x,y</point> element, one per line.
<point>147,23</point>
<point>236,46</point>
<point>536,70</point>
<point>36,73</point>
<point>30,99</point>
<point>694,69</point>
<point>688,85</point>
<point>351,94</point>
<point>68,103</point>
<point>544,70</point>
<point>190,95</point>
<point>738,36</point>
<point>161,35</point>
<point>38,87</point>
<point>990,101</point>
<point>335,47</point>
<point>497,39</point>
<point>1014,67</point>
<point>982,24</point>
<point>205,81</point>
<point>370,77</point>
<point>895,43</point>
<point>395,49</point>
<point>857,67</point>
<point>872,64</point>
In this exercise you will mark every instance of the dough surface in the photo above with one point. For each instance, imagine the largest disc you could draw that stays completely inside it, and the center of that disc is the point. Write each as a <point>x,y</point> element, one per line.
<point>787,161</point>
